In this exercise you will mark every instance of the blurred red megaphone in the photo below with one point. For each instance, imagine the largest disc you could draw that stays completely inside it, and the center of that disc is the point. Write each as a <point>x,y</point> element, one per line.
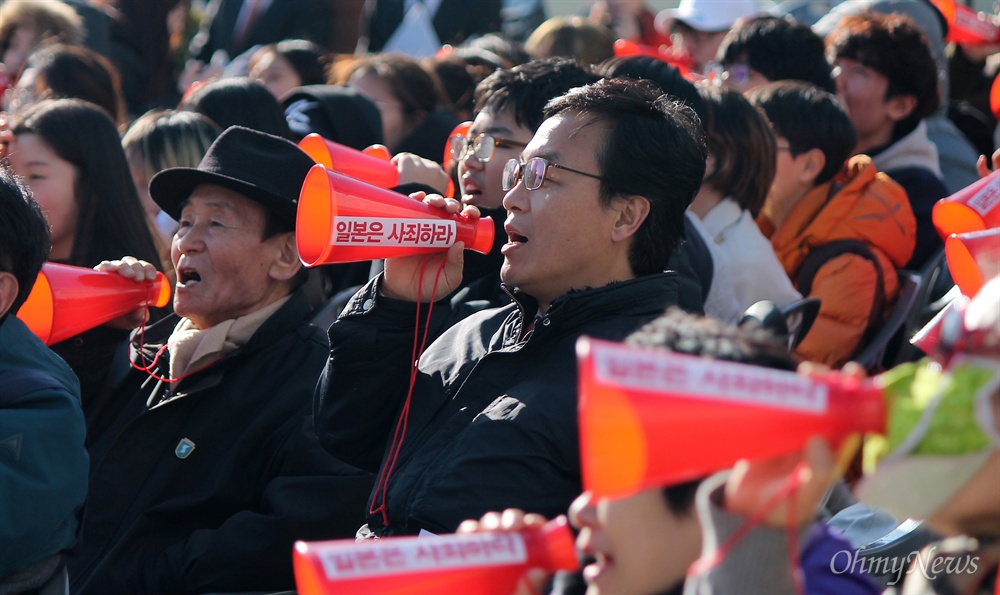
<point>973,208</point>
<point>452,147</point>
<point>966,25</point>
<point>625,48</point>
<point>973,258</point>
<point>341,219</point>
<point>67,300</point>
<point>652,418</point>
<point>371,165</point>
<point>473,563</point>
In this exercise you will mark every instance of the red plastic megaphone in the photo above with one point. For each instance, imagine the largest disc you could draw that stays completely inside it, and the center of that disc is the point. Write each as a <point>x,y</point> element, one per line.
<point>67,300</point>
<point>473,563</point>
<point>965,25</point>
<point>973,208</point>
<point>449,147</point>
<point>448,163</point>
<point>973,258</point>
<point>682,62</point>
<point>341,219</point>
<point>371,165</point>
<point>654,418</point>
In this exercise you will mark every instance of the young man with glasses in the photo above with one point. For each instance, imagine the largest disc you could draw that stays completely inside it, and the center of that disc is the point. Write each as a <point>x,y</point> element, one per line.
<point>487,420</point>
<point>509,108</point>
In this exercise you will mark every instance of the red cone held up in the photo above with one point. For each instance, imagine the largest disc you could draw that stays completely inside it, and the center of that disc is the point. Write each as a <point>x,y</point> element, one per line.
<point>474,563</point>
<point>966,25</point>
<point>973,258</point>
<point>67,300</point>
<point>341,219</point>
<point>371,165</point>
<point>973,208</point>
<point>651,418</point>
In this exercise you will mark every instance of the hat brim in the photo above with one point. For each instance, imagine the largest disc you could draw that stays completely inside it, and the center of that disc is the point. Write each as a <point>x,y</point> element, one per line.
<point>920,485</point>
<point>171,188</point>
<point>665,19</point>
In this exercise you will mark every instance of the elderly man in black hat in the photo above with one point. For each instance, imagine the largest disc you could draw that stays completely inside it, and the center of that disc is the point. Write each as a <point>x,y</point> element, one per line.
<point>204,465</point>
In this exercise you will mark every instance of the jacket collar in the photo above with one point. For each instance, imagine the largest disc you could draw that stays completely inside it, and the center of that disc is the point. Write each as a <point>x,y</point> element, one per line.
<point>649,293</point>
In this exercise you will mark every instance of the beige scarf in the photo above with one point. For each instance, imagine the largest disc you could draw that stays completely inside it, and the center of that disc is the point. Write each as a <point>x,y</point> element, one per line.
<point>192,348</point>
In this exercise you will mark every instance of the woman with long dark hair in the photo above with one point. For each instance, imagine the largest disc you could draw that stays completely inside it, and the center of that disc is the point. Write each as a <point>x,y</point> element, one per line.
<point>69,154</point>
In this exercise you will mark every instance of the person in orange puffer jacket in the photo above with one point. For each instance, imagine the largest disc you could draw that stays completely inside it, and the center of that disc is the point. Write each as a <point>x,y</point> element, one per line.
<point>819,197</point>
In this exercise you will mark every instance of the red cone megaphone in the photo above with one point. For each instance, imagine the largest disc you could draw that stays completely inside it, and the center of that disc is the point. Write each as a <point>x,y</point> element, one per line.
<point>973,258</point>
<point>653,418</point>
<point>67,300</point>
<point>371,165</point>
<point>965,25</point>
<point>973,208</point>
<point>452,147</point>
<point>341,219</point>
<point>472,563</point>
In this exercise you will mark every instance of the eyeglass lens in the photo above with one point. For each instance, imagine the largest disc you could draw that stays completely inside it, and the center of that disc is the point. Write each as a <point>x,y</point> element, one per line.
<point>533,172</point>
<point>483,147</point>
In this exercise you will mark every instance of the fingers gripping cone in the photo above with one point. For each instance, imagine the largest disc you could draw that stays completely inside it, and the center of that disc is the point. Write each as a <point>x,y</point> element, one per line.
<point>341,219</point>
<point>973,208</point>
<point>67,300</point>
<point>973,258</point>
<point>652,418</point>
<point>371,165</point>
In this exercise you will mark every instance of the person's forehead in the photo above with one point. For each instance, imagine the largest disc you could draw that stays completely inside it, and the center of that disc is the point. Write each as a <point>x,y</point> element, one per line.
<point>490,122</point>
<point>220,198</point>
<point>566,132</point>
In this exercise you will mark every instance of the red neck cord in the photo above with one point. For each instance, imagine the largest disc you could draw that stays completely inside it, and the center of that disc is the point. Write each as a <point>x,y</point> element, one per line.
<point>148,368</point>
<point>382,488</point>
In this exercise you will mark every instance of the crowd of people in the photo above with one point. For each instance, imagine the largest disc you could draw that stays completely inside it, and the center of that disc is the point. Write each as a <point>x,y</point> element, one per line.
<point>657,179</point>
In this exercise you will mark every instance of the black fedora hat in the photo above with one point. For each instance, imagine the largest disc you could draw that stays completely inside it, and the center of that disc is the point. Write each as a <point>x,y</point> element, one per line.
<point>265,168</point>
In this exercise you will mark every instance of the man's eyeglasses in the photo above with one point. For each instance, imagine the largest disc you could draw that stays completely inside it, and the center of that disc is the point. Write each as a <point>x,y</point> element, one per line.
<point>483,146</point>
<point>533,172</point>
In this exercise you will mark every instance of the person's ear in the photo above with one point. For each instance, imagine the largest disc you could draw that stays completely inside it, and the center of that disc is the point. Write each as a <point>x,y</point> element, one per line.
<point>8,291</point>
<point>632,212</point>
<point>901,106</point>
<point>286,262</point>
<point>813,162</point>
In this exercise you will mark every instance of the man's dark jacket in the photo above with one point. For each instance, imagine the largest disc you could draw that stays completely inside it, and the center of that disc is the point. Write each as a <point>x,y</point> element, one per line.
<point>208,489</point>
<point>493,418</point>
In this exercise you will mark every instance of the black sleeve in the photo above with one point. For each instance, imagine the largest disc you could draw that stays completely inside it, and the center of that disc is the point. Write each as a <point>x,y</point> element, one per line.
<point>367,374</point>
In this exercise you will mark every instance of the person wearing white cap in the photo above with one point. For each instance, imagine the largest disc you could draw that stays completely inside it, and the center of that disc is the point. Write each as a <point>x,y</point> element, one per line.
<point>698,26</point>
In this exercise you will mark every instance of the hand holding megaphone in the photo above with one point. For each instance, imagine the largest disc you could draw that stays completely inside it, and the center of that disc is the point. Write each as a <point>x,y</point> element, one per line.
<point>139,271</point>
<point>413,278</point>
<point>67,300</point>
